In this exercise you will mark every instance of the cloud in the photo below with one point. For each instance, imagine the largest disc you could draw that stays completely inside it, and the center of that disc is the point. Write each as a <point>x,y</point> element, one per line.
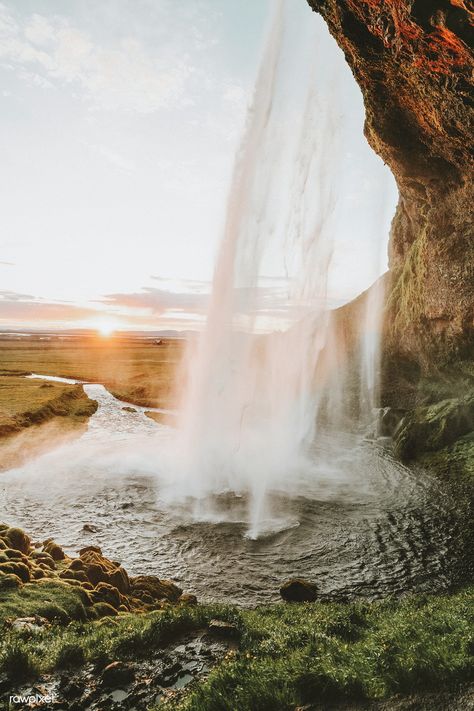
<point>195,297</point>
<point>15,307</point>
<point>159,301</point>
<point>123,75</point>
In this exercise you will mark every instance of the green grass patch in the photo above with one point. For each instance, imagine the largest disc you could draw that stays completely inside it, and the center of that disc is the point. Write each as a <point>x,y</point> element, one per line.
<point>289,655</point>
<point>292,655</point>
<point>54,600</point>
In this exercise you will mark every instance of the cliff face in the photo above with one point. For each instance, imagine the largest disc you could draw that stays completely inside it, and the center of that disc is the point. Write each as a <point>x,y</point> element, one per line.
<point>413,62</point>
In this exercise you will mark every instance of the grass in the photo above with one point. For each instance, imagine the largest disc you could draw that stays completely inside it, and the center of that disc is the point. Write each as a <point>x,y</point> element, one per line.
<point>289,655</point>
<point>34,413</point>
<point>52,599</point>
<point>134,370</point>
<point>25,402</point>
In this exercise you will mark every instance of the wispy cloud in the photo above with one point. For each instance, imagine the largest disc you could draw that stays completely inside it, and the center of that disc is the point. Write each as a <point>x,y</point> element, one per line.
<point>15,308</point>
<point>159,301</point>
<point>50,50</point>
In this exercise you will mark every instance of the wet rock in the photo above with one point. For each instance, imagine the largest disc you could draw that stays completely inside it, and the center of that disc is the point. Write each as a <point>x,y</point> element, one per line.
<point>389,421</point>
<point>169,675</point>
<point>72,690</point>
<point>187,599</point>
<point>155,588</point>
<point>298,590</point>
<point>32,624</point>
<point>90,528</point>
<point>117,674</point>
<point>429,428</point>
<point>224,630</point>
<point>55,551</point>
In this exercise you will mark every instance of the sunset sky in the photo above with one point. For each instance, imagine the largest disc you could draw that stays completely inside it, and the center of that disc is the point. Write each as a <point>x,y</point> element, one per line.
<point>119,125</point>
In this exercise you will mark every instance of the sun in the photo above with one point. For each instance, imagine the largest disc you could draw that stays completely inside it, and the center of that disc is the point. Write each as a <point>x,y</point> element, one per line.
<point>106,327</point>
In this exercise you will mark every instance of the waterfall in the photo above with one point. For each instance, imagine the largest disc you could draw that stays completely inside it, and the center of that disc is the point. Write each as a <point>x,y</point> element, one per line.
<point>257,396</point>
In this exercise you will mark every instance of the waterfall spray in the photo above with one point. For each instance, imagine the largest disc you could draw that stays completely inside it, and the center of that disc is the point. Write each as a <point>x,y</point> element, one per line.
<point>250,411</point>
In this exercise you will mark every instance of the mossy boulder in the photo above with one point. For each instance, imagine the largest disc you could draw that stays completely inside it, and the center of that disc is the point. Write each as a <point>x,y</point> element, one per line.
<point>454,461</point>
<point>54,550</point>
<point>432,427</point>
<point>16,568</point>
<point>17,539</point>
<point>43,559</point>
<point>151,588</point>
<point>9,581</point>
<point>99,569</point>
<point>107,593</point>
<point>102,609</point>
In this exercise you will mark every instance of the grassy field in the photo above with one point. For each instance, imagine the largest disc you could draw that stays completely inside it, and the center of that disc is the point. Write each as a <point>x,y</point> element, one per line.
<point>138,371</point>
<point>34,413</point>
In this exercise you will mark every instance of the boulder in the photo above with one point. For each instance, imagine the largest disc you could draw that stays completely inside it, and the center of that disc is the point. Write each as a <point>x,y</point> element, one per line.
<point>187,599</point>
<point>43,559</point>
<point>155,588</point>
<point>103,609</point>
<point>117,674</point>
<point>107,593</point>
<point>99,569</point>
<point>55,551</point>
<point>225,630</point>
<point>90,549</point>
<point>14,567</point>
<point>298,590</point>
<point>32,624</point>
<point>431,427</point>
<point>9,581</point>
<point>16,539</point>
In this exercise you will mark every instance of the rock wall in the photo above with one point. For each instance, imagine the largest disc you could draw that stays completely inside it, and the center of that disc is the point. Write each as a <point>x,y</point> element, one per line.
<point>413,63</point>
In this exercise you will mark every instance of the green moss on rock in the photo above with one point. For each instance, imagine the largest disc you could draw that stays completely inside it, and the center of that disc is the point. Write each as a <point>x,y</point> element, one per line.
<point>434,427</point>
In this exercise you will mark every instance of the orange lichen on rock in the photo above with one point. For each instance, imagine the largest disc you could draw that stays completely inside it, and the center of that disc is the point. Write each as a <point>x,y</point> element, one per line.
<point>444,52</point>
<point>469,10</point>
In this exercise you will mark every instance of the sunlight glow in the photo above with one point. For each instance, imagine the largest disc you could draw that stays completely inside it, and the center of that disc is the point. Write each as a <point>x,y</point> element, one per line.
<point>106,327</point>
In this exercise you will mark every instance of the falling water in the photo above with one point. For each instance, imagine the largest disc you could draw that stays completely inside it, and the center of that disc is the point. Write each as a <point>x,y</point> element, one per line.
<point>254,401</point>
